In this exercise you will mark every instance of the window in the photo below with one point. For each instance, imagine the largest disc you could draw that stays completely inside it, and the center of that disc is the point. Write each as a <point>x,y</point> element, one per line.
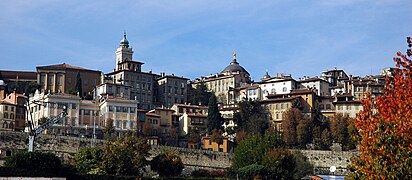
<point>285,89</point>
<point>210,142</point>
<point>118,109</point>
<point>131,125</point>
<point>111,108</point>
<point>12,108</point>
<point>118,124</point>
<point>11,116</point>
<point>74,106</point>
<point>124,124</point>
<point>86,112</point>
<point>132,109</point>
<point>6,115</point>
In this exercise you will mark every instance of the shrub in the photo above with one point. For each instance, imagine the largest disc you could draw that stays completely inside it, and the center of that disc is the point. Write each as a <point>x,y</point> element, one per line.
<point>167,164</point>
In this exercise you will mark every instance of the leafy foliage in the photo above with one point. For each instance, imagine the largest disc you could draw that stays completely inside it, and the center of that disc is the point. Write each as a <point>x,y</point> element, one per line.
<point>109,129</point>
<point>123,157</point>
<point>279,163</point>
<point>214,118</point>
<point>168,164</point>
<point>252,149</point>
<point>87,161</point>
<point>34,161</point>
<point>208,173</point>
<point>199,95</point>
<point>385,127</point>
<point>217,136</point>
<point>78,87</point>
<point>341,131</point>
<point>250,118</point>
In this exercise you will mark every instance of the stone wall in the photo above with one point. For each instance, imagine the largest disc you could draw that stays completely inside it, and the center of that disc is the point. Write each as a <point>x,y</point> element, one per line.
<point>65,147</point>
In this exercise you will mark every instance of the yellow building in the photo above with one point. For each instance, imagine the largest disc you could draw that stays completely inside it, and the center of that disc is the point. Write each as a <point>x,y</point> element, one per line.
<point>190,117</point>
<point>208,144</point>
<point>165,125</point>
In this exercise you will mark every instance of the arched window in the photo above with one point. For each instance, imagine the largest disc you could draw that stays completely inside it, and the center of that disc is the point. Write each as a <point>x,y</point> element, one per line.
<point>11,116</point>
<point>6,115</point>
<point>273,91</point>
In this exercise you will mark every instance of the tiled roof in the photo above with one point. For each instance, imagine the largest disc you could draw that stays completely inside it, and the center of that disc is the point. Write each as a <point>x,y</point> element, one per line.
<point>64,66</point>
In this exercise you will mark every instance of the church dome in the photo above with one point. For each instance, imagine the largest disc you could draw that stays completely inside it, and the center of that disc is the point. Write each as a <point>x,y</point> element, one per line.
<point>124,40</point>
<point>234,66</point>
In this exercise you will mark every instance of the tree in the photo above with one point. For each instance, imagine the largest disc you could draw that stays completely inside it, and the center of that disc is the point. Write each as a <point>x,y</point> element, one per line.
<point>304,132</point>
<point>385,127</point>
<point>167,164</point>
<point>217,137</point>
<point>290,122</point>
<point>88,161</point>
<point>340,130</point>
<point>34,161</point>
<point>214,118</point>
<point>126,156</point>
<point>200,94</point>
<point>279,163</point>
<point>78,87</point>
<point>252,149</point>
<point>251,118</point>
<point>109,129</point>
<point>147,128</point>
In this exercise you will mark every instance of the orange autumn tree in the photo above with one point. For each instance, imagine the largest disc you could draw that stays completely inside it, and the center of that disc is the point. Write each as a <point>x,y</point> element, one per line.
<point>385,127</point>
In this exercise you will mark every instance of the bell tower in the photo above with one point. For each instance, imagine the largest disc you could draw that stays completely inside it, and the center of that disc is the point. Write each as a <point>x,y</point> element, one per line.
<point>123,53</point>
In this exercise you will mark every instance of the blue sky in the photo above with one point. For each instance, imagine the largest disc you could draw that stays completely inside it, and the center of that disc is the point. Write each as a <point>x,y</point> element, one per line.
<point>196,38</point>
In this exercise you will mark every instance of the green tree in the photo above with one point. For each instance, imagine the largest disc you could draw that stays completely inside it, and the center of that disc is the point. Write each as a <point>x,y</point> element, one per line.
<point>214,118</point>
<point>78,87</point>
<point>252,149</point>
<point>200,94</point>
<point>126,156</point>
<point>88,161</point>
<point>109,129</point>
<point>34,161</point>
<point>167,164</point>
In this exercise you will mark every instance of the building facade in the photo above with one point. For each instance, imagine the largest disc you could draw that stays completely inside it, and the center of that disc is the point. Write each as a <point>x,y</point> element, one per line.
<point>62,78</point>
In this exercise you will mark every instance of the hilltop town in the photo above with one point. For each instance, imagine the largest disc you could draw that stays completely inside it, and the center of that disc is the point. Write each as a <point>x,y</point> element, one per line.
<point>212,112</point>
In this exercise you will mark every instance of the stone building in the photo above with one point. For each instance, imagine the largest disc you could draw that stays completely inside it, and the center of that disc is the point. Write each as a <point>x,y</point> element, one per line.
<point>129,72</point>
<point>13,112</point>
<point>62,78</point>
<point>171,89</point>
<point>233,76</point>
<point>190,117</point>
<point>84,116</point>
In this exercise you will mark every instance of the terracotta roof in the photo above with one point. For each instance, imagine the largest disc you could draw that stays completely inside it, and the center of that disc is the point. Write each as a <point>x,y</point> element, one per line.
<point>64,66</point>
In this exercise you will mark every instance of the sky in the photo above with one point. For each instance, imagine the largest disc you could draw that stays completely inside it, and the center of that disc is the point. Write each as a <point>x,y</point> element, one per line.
<point>197,37</point>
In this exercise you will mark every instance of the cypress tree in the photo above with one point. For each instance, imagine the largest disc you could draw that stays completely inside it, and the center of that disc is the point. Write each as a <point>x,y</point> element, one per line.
<point>78,87</point>
<point>214,119</point>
